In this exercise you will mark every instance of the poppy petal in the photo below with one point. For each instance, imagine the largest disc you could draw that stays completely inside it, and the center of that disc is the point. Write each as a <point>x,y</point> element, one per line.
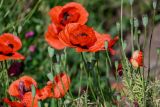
<point>81,50</point>
<point>3,57</point>
<point>45,92</point>
<point>62,84</point>
<point>17,56</point>
<point>13,89</point>
<point>137,59</point>
<point>51,37</point>
<point>64,34</point>
<point>113,41</point>
<point>11,41</point>
<point>54,14</point>
<point>106,37</point>
<point>112,51</point>
<point>12,104</point>
<point>100,43</point>
<point>4,49</point>
<point>14,56</point>
<point>28,100</point>
<point>80,9</point>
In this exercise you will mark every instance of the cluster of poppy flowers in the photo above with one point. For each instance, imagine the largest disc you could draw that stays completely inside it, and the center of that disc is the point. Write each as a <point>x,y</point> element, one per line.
<point>68,29</point>
<point>21,89</point>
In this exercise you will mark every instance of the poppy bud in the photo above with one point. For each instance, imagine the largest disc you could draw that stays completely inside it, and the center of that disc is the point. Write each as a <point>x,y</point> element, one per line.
<point>16,69</point>
<point>120,70</point>
<point>137,59</point>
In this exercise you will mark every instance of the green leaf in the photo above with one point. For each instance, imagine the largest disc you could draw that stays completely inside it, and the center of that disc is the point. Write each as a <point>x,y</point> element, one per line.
<point>124,45</point>
<point>50,76</point>
<point>33,89</point>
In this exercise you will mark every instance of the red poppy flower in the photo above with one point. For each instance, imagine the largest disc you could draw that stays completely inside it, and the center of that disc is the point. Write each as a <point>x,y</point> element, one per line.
<point>51,37</point>
<point>9,44</point>
<point>82,37</point>
<point>26,101</point>
<point>61,85</point>
<point>70,13</point>
<point>137,59</point>
<point>19,87</point>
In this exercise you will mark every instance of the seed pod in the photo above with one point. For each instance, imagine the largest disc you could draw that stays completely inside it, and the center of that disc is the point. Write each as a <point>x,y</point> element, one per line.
<point>145,20</point>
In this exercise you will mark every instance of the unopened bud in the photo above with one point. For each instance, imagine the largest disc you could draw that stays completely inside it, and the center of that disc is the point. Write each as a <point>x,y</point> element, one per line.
<point>145,20</point>
<point>136,23</point>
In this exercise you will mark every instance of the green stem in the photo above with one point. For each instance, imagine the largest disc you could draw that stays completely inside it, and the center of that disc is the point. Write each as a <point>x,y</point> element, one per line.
<point>132,39</point>
<point>108,58</point>
<point>80,84</point>
<point>98,80</point>
<point>88,74</point>
<point>122,22</point>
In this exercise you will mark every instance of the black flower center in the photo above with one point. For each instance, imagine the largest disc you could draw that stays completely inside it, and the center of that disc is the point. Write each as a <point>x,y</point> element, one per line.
<point>82,34</point>
<point>65,16</point>
<point>11,46</point>
<point>9,54</point>
<point>83,47</point>
<point>1,52</point>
